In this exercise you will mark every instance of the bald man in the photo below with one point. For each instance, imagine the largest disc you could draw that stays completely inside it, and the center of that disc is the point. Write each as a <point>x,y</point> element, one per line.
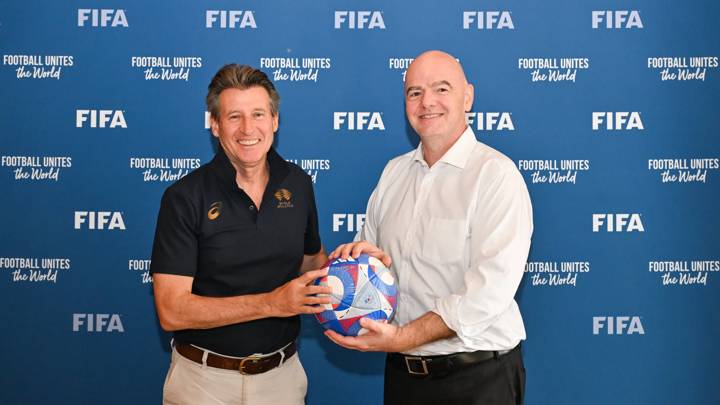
<point>454,216</point>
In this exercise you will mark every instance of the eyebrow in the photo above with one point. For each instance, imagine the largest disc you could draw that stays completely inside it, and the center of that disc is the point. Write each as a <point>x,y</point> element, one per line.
<point>256,109</point>
<point>445,82</point>
<point>409,89</point>
<point>434,84</point>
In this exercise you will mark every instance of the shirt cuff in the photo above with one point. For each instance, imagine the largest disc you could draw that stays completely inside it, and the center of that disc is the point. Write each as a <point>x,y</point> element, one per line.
<point>447,309</point>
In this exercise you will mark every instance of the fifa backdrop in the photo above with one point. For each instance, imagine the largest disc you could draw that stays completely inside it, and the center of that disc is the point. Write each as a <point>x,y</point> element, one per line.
<point>609,109</point>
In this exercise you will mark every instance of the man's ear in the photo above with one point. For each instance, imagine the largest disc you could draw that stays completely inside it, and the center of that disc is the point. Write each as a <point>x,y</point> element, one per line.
<point>469,96</point>
<point>214,126</point>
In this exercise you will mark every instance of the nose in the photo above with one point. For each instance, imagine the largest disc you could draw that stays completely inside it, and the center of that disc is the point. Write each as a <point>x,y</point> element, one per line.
<point>246,126</point>
<point>427,99</point>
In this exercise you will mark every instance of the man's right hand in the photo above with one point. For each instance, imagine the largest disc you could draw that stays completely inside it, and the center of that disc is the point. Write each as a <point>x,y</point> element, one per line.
<point>298,296</point>
<point>354,250</point>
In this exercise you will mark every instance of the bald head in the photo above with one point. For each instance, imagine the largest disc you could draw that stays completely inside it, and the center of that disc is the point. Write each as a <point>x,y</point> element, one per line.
<point>437,95</point>
<point>436,61</point>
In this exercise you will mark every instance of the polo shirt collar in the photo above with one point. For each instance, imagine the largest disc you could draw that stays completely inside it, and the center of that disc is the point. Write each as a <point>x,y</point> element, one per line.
<point>221,165</point>
<point>459,152</point>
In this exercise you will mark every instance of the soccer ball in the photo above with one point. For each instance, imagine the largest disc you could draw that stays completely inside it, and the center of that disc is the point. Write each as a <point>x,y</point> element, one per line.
<point>361,288</point>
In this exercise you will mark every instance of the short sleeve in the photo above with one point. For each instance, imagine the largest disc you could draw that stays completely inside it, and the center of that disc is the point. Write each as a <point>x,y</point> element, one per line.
<point>175,248</point>
<point>312,233</point>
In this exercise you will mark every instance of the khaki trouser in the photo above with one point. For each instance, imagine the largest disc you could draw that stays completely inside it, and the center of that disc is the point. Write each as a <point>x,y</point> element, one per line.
<point>191,383</point>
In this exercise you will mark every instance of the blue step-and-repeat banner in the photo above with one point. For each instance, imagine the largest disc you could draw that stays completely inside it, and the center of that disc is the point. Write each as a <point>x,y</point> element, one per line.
<point>610,110</point>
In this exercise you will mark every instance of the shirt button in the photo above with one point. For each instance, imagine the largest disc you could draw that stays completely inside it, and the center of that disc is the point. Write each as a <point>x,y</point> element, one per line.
<point>252,207</point>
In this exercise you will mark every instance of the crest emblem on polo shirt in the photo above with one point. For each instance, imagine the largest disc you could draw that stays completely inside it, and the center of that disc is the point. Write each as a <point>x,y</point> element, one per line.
<point>284,197</point>
<point>215,210</point>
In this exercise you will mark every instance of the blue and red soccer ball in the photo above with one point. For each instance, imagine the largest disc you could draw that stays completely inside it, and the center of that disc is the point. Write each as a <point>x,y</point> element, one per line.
<point>362,288</point>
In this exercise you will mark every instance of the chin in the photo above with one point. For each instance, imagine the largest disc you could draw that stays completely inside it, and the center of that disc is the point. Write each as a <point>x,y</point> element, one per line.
<point>429,133</point>
<point>253,158</point>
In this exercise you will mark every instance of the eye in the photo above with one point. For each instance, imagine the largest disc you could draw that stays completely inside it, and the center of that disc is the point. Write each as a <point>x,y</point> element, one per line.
<point>442,90</point>
<point>259,114</point>
<point>413,94</point>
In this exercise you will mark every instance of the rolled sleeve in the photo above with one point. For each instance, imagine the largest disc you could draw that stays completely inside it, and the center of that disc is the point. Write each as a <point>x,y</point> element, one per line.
<point>500,232</point>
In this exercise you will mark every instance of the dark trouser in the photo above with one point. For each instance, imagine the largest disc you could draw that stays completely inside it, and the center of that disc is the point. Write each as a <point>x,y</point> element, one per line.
<point>499,381</point>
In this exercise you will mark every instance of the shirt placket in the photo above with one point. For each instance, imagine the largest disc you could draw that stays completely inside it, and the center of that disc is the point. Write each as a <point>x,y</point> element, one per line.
<point>412,240</point>
<point>423,184</point>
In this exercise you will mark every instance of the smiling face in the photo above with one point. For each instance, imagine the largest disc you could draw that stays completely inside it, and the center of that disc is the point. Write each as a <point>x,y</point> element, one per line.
<point>437,96</point>
<point>245,126</point>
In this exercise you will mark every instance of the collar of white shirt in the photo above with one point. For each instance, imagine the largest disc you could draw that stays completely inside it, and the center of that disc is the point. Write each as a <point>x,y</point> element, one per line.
<point>459,152</point>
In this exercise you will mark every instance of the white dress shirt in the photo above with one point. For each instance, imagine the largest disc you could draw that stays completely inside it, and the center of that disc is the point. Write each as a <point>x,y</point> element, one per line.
<point>459,235</point>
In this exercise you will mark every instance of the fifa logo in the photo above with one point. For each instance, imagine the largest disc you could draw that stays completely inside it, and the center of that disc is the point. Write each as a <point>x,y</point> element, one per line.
<point>490,121</point>
<point>349,222</point>
<point>617,222</point>
<point>358,121</point>
<point>617,120</point>
<point>618,325</point>
<point>101,17</point>
<point>616,19</point>
<point>487,20</point>
<point>100,118</point>
<point>359,20</point>
<point>230,19</point>
<point>97,220</point>
<point>97,323</point>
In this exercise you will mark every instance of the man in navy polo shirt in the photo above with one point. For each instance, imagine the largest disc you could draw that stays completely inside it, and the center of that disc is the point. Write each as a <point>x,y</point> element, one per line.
<point>232,239</point>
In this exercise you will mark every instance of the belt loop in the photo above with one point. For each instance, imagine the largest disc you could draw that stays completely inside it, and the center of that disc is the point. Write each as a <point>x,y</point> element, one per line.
<point>204,359</point>
<point>282,357</point>
<point>495,354</point>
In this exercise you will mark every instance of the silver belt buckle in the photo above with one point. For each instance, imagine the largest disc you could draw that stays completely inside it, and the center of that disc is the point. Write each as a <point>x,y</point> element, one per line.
<point>409,359</point>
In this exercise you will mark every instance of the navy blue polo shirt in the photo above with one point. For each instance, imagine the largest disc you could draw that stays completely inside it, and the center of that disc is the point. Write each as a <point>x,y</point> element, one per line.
<point>209,229</point>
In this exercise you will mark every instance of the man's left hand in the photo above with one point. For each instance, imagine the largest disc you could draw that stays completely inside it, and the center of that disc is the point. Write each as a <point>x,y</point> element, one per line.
<point>380,337</point>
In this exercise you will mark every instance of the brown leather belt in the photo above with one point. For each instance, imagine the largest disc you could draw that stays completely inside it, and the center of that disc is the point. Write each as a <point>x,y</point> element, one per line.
<point>245,365</point>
